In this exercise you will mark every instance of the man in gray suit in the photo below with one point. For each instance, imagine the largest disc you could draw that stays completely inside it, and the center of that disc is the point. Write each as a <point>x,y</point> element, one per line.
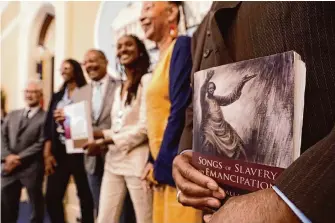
<point>99,94</point>
<point>21,157</point>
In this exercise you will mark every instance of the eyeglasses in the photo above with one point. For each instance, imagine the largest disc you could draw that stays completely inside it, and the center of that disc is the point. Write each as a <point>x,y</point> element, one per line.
<point>31,92</point>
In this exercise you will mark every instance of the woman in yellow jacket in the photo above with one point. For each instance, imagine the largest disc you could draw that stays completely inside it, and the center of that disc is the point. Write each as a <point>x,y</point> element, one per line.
<point>168,95</point>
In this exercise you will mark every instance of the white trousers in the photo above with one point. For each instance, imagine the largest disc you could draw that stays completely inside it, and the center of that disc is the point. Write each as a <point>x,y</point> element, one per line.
<point>112,195</point>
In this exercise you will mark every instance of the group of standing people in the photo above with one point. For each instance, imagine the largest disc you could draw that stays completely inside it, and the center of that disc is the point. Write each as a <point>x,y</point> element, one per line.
<point>137,121</point>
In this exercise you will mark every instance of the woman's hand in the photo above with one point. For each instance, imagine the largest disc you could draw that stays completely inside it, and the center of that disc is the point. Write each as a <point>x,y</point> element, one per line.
<point>59,115</point>
<point>50,164</point>
<point>147,184</point>
<point>98,134</point>
<point>93,148</point>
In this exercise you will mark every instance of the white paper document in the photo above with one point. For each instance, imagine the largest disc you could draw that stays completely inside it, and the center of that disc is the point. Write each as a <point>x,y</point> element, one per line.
<point>77,126</point>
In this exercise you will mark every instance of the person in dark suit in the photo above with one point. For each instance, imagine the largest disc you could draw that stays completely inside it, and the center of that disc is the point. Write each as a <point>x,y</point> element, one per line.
<point>99,94</point>
<point>235,31</point>
<point>21,157</point>
<point>59,165</point>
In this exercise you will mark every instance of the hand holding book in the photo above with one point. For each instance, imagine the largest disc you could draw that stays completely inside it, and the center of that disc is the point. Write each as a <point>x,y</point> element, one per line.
<point>197,189</point>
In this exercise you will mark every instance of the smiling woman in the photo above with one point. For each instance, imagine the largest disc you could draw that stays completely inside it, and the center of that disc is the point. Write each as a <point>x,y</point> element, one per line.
<point>168,96</point>
<point>128,148</point>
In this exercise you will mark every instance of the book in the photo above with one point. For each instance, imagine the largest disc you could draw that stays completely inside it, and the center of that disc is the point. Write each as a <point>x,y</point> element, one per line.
<point>77,127</point>
<point>247,121</point>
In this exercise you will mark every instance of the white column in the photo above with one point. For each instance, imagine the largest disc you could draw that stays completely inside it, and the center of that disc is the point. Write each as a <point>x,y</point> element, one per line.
<point>61,39</point>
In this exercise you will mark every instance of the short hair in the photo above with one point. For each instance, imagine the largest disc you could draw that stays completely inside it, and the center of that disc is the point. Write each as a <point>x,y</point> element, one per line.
<point>37,82</point>
<point>100,52</point>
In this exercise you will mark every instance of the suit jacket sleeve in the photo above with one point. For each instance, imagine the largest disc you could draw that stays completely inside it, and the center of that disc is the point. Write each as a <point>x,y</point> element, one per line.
<point>309,182</point>
<point>134,135</point>
<point>187,134</point>
<point>47,130</point>
<point>180,95</point>
<point>197,46</point>
<point>5,150</point>
<point>34,148</point>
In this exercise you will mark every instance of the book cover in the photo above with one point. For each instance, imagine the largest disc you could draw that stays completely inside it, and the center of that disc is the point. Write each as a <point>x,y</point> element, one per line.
<point>77,127</point>
<point>248,120</point>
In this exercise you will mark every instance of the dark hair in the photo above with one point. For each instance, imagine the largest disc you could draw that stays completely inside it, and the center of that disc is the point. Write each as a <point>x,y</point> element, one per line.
<point>178,4</point>
<point>78,73</point>
<point>212,84</point>
<point>141,66</point>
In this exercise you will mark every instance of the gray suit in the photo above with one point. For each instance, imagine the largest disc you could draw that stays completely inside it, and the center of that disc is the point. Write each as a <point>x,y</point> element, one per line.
<point>104,121</point>
<point>94,164</point>
<point>24,137</point>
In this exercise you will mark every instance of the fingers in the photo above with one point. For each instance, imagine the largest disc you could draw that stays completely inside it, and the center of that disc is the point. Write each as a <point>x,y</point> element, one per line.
<point>207,218</point>
<point>201,203</point>
<point>146,186</point>
<point>59,115</point>
<point>16,162</point>
<point>49,170</point>
<point>50,163</point>
<point>197,190</point>
<point>190,188</point>
<point>53,162</point>
<point>145,172</point>
<point>85,146</point>
<point>89,144</point>
<point>183,167</point>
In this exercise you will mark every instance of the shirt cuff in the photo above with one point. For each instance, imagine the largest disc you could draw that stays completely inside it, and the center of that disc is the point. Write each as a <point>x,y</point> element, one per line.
<point>184,151</point>
<point>294,208</point>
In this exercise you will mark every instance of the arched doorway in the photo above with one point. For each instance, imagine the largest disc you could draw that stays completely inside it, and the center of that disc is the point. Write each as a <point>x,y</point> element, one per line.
<point>44,50</point>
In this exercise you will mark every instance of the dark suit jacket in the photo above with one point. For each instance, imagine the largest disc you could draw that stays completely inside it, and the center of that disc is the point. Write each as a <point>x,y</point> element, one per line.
<point>84,93</point>
<point>27,141</point>
<point>50,126</point>
<point>234,31</point>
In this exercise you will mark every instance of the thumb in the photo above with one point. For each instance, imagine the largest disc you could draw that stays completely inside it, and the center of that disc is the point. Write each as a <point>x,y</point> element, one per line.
<point>208,218</point>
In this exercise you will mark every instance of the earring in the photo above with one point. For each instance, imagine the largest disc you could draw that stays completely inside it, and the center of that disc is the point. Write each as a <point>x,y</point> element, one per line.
<point>173,31</point>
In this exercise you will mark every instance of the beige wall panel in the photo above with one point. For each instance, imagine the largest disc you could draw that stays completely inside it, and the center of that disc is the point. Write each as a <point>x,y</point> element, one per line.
<point>9,14</point>
<point>83,20</point>
<point>9,68</point>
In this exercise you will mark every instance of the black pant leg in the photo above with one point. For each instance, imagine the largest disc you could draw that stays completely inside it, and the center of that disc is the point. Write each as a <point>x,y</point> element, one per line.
<point>83,189</point>
<point>56,187</point>
<point>32,179</point>
<point>10,199</point>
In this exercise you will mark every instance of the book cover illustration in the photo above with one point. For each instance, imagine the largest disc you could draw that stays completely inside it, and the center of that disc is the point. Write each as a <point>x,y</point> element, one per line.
<point>77,127</point>
<point>244,122</point>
